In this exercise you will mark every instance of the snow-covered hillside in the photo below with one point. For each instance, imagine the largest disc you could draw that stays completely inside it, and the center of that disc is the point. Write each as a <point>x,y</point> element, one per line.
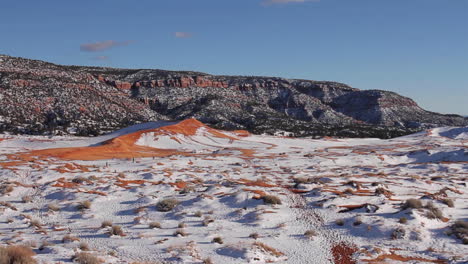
<point>186,193</point>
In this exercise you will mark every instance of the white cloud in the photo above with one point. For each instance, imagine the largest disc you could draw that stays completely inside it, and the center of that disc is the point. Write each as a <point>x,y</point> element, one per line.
<point>183,34</point>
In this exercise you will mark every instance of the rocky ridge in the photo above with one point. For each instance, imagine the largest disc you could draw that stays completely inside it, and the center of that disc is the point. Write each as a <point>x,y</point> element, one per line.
<point>39,97</point>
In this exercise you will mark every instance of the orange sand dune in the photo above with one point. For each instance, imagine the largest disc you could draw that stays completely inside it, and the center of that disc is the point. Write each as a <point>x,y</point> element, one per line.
<point>124,146</point>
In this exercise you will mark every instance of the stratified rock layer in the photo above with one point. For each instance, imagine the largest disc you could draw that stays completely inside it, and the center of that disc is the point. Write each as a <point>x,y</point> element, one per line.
<point>39,97</point>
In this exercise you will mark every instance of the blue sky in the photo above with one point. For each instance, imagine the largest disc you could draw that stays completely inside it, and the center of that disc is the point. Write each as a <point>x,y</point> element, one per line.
<point>418,48</point>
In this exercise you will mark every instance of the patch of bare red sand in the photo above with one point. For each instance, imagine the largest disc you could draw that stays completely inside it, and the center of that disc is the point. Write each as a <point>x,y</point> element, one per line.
<point>343,254</point>
<point>257,183</point>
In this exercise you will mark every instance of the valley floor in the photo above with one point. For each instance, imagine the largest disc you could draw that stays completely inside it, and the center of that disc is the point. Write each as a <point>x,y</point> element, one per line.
<point>186,193</point>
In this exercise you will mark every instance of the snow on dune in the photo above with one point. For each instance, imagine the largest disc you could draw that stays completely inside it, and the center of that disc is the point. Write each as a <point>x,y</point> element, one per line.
<point>232,197</point>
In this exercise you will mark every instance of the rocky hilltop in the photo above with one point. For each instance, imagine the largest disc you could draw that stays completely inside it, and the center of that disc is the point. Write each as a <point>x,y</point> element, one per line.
<point>40,98</point>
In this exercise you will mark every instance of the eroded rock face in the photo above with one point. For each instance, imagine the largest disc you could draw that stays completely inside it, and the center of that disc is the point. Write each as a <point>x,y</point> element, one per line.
<point>39,97</point>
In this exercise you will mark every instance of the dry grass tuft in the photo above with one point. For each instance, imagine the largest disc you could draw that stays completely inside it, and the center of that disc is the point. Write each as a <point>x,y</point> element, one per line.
<point>17,255</point>
<point>268,249</point>
<point>116,231</point>
<point>106,223</point>
<point>26,199</point>
<point>36,223</point>
<point>53,207</point>
<point>449,202</point>
<point>83,246</point>
<point>69,238</point>
<point>86,258</point>
<point>84,205</point>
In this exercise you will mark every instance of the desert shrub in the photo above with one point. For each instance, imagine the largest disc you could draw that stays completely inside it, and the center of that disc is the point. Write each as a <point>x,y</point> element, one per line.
<point>434,213</point>
<point>45,244</point>
<point>208,220</point>
<point>154,225</point>
<point>198,214</point>
<point>93,178</point>
<point>17,255</point>
<point>69,238</point>
<point>79,180</point>
<point>86,258</point>
<point>167,205</point>
<point>357,221</point>
<point>83,246</point>
<point>53,207</point>
<point>412,203</point>
<point>269,249</point>
<point>106,223</point>
<point>271,199</point>
<point>310,234</point>
<point>26,199</point>
<point>187,189</point>
<point>6,188</point>
<point>180,232</point>
<point>36,223</point>
<point>207,261</point>
<point>460,230</point>
<point>9,205</point>
<point>254,235</point>
<point>349,191</point>
<point>116,231</point>
<point>398,233</point>
<point>448,202</point>
<point>403,220</point>
<point>340,222</point>
<point>84,205</point>
<point>182,225</point>
<point>218,240</point>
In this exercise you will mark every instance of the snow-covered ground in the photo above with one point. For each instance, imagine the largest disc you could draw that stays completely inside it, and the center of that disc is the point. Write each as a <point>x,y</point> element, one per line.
<point>340,200</point>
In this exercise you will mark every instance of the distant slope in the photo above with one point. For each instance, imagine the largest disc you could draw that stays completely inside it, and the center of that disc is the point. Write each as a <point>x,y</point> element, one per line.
<point>40,97</point>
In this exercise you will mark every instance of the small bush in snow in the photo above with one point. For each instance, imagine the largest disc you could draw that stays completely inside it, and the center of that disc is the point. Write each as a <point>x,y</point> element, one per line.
<point>79,180</point>
<point>167,205</point>
<point>271,199</point>
<point>340,222</point>
<point>357,221</point>
<point>180,232</point>
<point>403,220</point>
<point>218,240</point>
<point>83,246</point>
<point>254,235</point>
<point>207,261</point>
<point>413,204</point>
<point>154,225</point>
<point>198,214</point>
<point>69,238</point>
<point>53,207</point>
<point>106,223</point>
<point>448,202</point>
<point>16,255</point>
<point>398,233</point>
<point>36,223</point>
<point>86,258</point>
<point>26,199</point>
<point>208,220</point>
<point>310,234</point>
<point>84,205</point>
<point>460,230</point>
<point>116,231</point>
